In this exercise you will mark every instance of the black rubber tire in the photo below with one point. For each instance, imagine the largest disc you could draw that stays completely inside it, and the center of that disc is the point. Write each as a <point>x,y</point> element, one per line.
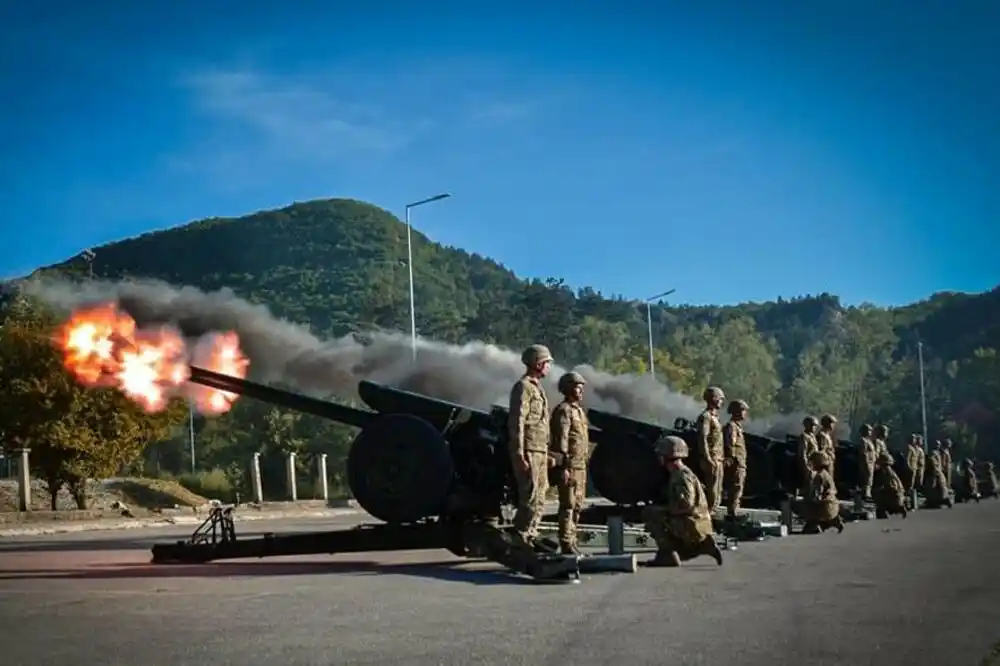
<point>626,471</point>
<point>400,469</point>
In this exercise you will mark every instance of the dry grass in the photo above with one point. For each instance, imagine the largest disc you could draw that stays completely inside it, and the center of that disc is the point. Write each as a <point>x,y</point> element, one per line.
<point>137,493</point>
<point>154,493</point>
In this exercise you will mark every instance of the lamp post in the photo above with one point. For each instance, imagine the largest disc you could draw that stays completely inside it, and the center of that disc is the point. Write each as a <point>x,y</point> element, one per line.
<point>409,263</point>
<point>649,327</point>
<point>89,256</point>
<point>923,395</point>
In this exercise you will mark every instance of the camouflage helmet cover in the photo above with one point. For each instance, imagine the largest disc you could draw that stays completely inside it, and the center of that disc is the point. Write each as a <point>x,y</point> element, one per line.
<point>866,429</point>
<point>713,392</point>
<point>828,419</point>
<point>737,406</point>
<point>569,380</point>
<point>809,421</point>
<point>536,354</point>
<point>671,446</point>
<point>881,430</point>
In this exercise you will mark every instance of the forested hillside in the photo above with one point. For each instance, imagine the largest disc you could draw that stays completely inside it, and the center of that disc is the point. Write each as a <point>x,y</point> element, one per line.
<point>339,265</point>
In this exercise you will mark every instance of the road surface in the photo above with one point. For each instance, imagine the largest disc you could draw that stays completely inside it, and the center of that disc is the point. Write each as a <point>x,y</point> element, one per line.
<point>919,591</point>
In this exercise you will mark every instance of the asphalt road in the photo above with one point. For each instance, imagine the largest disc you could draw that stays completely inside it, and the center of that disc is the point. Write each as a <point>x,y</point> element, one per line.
<point>919,591</point>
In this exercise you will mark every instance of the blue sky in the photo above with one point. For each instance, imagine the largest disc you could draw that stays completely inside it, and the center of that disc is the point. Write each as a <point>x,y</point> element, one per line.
<point>732,150</point>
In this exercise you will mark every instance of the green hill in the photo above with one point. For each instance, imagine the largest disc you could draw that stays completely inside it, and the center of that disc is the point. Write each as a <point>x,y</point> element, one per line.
<point>339,265</point>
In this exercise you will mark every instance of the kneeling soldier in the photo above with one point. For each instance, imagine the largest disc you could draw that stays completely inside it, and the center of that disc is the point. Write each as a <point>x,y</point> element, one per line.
<point>821,508</point>
<point>888,491</point>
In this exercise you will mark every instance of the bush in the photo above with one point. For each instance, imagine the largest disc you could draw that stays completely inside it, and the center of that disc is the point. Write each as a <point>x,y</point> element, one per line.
<point>211,484</point>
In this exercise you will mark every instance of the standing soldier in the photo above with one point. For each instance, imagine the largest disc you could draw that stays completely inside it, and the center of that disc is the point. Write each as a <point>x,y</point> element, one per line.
<point>528,439</point>
<point>921,471</point>
<point>807,447</point>
<point>710,448</point>
<point>992,485</point>
<point>735,452</point>
<point>866,460</point>
<point>680,523</point>
<point>914,464</point>
<point>946,461</point>
<point>881,436</point>
<point>570,445</point>
<point>826,439</point>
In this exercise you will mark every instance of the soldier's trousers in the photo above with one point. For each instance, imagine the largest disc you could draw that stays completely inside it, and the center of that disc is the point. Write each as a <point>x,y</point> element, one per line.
<point>712,469</point>
<point>671,533</point>
<point>571,498</point>
<point>531,488</point>
<point>734,481</point>
<point>866,476</point>
<point>910,480</point>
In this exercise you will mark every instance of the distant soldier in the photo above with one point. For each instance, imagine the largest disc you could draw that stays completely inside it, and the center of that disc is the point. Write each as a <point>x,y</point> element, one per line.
<point>888,493</point>
<point>826,439</point>
<point>570,446</point>
<point>866,459</point>
<point>821,508</point>
<point>807,447</point>
<point>914,464</point>
<point>967,488</point>
<point>936,490</point>
<point>528,439</point>
<point>735,452</point>
<point>921,459</point>
<point>992,486</point>
<point>947,464</point>
<point>710,447</point>
<point>881,436</point>
<point>680,523</point>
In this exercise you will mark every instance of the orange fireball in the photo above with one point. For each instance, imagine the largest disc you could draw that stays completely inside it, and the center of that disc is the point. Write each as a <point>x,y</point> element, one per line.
<point>103,348</point>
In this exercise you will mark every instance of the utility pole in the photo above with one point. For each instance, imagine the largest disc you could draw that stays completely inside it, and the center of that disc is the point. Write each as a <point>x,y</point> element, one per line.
<point>923,394</point>
<point>191,432</point>
<point>409,263</point>
<point>649,328</point>
<point>89,255</point>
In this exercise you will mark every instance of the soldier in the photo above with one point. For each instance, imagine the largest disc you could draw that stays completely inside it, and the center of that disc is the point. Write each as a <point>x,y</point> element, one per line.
<point>889,493</point>
<point>935,485</point>
<point>968,485</point>
<point>735,452</point>
<point>570,446</point>
<point>992,485</point>
<point>881,436</point>
<point>821,508</point>
<point>921,462</point>
<point>528,439</point>
<point>946,461</point>
<point>913,472</point>
<point>710,448</point>
<point>866,460</point>
<point>681,523</point>
<point>807,446</point>
<point>826,439</point>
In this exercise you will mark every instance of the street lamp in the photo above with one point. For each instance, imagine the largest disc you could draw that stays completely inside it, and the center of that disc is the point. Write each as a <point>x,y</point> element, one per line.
<point>409,263</point>
<point>649,327</point>
<point>89,256</point>
<point>923,395</point>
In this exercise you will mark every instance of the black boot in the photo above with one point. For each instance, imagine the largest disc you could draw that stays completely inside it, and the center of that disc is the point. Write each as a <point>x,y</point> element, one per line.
<point>710,548</point>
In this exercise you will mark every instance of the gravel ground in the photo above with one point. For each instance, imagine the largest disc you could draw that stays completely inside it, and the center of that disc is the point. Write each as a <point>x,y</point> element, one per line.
<point>919,591</point>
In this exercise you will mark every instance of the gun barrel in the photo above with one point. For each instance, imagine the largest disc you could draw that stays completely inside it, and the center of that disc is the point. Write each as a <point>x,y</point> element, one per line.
<point>300,403</point>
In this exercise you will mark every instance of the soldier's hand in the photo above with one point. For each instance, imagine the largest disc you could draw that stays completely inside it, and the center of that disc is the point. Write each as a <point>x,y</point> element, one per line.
<point>565,476</point>
<point>523,464</point>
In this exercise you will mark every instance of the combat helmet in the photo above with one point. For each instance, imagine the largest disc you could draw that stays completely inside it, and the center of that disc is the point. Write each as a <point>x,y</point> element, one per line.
<point>819,459</point>
<point>671,446</point>
<point>866,430</point>
<point>828,419</point>
<point>737,406</point>
<point>881,431</point>
<point>713,392</point>
<point>535,354</point>
<point>809,421</point>
<point>569,380</point>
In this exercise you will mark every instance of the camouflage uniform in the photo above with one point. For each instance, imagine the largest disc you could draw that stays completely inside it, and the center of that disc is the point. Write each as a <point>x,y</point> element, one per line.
<point>528,439</point>
<point>881,437</point>
<point>992,485</point>
<point>681,523</point>
<point>821,509</point>
<point>866,460</point>
<point>710,447</point>
<point>968,484</point>
<point>570,445</point>
<point>826,439</point>
<point>807,447</point>
<point>914,469</point>
<point>888,493</point>
<point>935,483</point>
<point>735,452</point>
<point>946,462</point>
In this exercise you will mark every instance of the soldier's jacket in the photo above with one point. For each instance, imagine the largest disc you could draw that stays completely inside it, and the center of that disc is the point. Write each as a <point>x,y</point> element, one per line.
<point>914,458</point>
<point>970,483</point>
<point>528,423</point>
<point>934,461</point>
<point>889,486</point>
<point>571,434</point>
<point>822,488</point>
<point>867,451</point>
<point>734,442</point>
<point>991,478</point>
<point>807,445</point>
<point>685,497</point>
<point>880,447</point>
<point>709,436</point>
<point>825,443</point>
<point>946,459</point>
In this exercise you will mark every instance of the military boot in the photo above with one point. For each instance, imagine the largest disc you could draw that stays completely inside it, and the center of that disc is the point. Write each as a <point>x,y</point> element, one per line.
<point>810,528</point>
<point>569,549</point>
<point>710,548</point>
<point>665,558</point>
<point>838,522</point>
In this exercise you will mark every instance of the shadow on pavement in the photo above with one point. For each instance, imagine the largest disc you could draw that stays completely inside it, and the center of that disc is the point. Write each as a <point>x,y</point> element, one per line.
<point>449,571</point>
<point>111,543</point>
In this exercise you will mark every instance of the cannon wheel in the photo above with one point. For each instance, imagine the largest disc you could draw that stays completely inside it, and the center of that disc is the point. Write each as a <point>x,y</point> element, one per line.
<point>626,471</point>
<point>400,469</point>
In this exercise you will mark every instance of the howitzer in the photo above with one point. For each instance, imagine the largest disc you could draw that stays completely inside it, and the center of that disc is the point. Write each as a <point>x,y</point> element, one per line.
<point>438,474</point>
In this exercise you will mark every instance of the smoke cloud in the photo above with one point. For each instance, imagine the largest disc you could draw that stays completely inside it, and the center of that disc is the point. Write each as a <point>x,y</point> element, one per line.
<point>476,374</point>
